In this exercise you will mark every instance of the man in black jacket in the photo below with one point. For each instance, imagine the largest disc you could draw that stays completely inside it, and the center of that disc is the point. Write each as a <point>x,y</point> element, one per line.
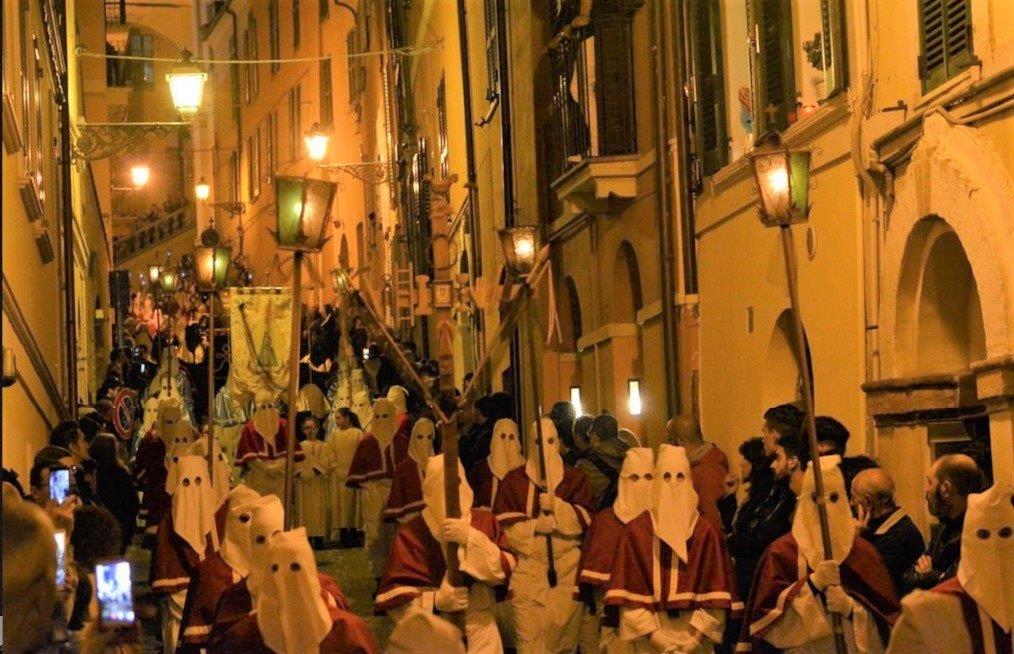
<point>885,524</point>
<point>950,481</point>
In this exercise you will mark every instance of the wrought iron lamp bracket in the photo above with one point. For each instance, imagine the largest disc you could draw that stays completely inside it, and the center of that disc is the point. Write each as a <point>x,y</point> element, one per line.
<point>368,172</point>
<point>94,141</point>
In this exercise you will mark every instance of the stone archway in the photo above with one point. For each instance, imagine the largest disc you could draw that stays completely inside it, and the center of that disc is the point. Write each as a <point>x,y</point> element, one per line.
<point>782,369</point>
<point>947,313</point>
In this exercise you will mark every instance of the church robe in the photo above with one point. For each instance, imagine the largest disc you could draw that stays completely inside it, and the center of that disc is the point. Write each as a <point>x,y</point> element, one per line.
<point>416,567</point>
<point>650,587</point>
<point>313,505</point>
<point>406,498</point>
<point>708,468</point>
<point>784,612</point>
<point>253,447</point>
<point>241,635</point>
<point>947,620</point>
<point>344,505</point>
<point>546,619</point>
<point>150,473</point>
<point>368,464</point>
<point>484,484</point>
<point>372,471</point>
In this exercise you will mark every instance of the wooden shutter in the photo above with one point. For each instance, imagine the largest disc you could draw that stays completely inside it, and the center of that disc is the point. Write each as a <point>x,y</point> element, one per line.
<point>612,24</point>
<point>492,50</point>
<point>945,31</point>
<point>774,74</point>
<point>708,84</point>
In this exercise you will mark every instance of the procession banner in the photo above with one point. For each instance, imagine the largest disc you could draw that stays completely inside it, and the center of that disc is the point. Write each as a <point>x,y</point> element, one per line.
<point>259,329</point>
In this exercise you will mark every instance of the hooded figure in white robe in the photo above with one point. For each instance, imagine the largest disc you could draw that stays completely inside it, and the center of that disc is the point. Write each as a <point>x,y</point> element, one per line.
<point>971,613</point>
<point>313,505</point>
<point>345,513</point>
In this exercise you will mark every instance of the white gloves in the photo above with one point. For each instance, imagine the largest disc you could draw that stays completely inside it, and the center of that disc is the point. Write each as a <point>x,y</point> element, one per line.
<point>663,641</point>
<point>546,502</point>
<point>450,599</point>
<point>825,574</point>
<point>545,524</point>
<point>456,530</point>
<point>837,600</point>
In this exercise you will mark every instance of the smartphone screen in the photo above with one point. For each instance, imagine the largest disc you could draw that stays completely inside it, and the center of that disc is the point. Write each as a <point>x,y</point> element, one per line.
<point>113,589</point>
<point>60,538</point>
<point>59,485</point>
<point>366,353</point>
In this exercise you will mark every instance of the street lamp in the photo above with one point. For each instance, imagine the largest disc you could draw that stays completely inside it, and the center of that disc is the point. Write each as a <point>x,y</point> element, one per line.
<point>316,143</point>
<point>783,179</point>
<point>520,245</point>
<point>140,174</point>
<point>186,85</point>
<point>202,190</point>
<point>303,206</point>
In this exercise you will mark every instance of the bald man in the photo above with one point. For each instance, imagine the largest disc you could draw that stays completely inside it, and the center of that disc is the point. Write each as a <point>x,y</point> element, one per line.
<point>951,479</point>
<point>885,524</point>
<point>29,576</point>
<point>709,466</point>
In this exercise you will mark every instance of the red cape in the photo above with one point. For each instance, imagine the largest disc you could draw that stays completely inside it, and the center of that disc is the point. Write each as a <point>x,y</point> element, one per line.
<point>208,583</point>
<point>709,473</point>
<point>406,498</point>
<point>349,633</point>
<point>599,549</point>
<point>704,581</point>
<point>416,560</point>
<point>369,465</point>
<point>517,501</point>
<point>151,473</point>
<point>777,582</point>
<point>253,446</point>
<point>970,613</point>
<point>174,560</point>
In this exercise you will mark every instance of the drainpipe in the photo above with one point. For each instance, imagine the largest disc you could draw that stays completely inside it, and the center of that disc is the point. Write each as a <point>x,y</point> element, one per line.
<point>466,100</point>
<point>67,218</point>
<point>664,206</point>
<point>507,145</point>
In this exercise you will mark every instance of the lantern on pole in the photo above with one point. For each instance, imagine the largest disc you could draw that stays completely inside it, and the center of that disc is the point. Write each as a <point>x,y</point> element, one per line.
<point>783,178</point>
<point>168,278</point>
<point>154,270</point>
<point>212,264</point>
<point>783,181</point>
<point>520,245</point>
<point>303,207</point>
<point>186,85</point>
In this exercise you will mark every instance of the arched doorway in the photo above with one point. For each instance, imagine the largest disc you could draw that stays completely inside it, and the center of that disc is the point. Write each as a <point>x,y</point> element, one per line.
<point>783,382</point>
<point>626,299</point>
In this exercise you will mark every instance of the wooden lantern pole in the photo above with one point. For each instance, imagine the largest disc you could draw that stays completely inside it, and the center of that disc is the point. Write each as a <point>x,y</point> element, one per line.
<point>789,250</point>
<point>209,359</point>
<point>533,361</point>
<point>294,340</point>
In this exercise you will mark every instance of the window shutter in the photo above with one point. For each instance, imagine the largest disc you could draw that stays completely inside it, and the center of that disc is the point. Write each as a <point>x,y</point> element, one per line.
<point>492,50</point>
<point>708,84</point>
<point>614,70</point>
<point>945,30</point>
<point>775,84</point>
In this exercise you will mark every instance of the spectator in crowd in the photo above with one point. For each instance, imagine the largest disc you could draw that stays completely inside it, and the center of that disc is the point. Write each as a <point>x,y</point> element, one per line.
<point>884,523</point>
<point>779,420</point>
<point>474,446</point>
<point>758,478</point>
<point>96,536</point>
<point>29,577</point>
<point>115,486</point>
<point>601,462</point>
<point>582,440</point>
<point>563,414</point>
<point>69,437</point>
<point>708,464</point>
<point>832,438</point>
<point>949,482</point>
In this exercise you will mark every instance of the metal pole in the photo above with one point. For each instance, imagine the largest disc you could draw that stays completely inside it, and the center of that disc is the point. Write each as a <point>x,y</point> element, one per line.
<point>209,360</point>
<point>533,362</point>
<point>290,434</point>
<point>811,425</point>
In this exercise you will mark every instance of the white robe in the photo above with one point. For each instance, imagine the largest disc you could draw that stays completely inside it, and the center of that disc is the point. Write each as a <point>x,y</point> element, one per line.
<point>312,500</point>
<point>344,504</point>
<point>933,623</point>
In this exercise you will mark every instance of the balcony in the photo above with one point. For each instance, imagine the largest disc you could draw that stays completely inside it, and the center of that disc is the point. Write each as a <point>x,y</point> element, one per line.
<point>592,137</point>
<point>153,234</point>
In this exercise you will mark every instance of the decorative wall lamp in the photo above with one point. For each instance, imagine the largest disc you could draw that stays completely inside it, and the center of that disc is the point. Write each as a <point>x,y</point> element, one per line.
<point>186,85</point>
<point>202,190</point>
<point>575,400</point>
<point>10,370</point>
<point>139,175</point>
<point>316,141</point>
<point>634,397</point>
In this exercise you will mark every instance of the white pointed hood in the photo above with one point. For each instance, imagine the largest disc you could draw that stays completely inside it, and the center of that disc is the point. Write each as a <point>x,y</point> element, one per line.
<point>362,408</point>
<point>806,523</point>
<point>674,500</point>
<point>312,399</point>
<point>554,462</point>
<point>235,549</point>
<point>986,569</point>
<point>266,519</point>
<point>194,504</point>
<point>291,613</point>
<point>435,512</point>
<point>420,447</point>
<point>633,493</point>
<point>220,473</point>
<point>505,448</point>
<point>265,420</point>
<point>383,426</point>
<point>398,396</point>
